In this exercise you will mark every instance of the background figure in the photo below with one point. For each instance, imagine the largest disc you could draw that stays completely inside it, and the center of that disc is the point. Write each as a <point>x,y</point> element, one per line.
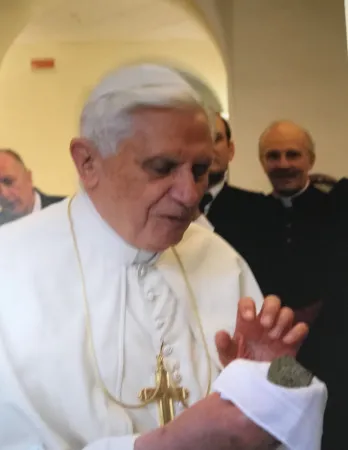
<point>282,235</point>
<point>324,350</point>
<point>18,196</point>
<point>296,242</point>
<point>297,220</point>
<point>228,208</point>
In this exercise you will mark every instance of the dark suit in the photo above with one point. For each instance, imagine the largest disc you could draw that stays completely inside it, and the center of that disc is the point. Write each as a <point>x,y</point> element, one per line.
<point>302,263</point>
<point>295,248</point>
<point>324,352</point>
<point>234,214</point>
<point>46,200</point>
<point>285,247</point>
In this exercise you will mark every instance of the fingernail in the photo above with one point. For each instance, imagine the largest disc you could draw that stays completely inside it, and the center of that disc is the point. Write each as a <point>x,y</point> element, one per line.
<point>248,314</point>
<point>288,339</point>
<point>266,321</point>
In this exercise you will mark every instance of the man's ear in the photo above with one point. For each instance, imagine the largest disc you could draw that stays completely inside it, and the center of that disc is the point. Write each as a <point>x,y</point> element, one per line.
<point>232,150</point>
<point>87,160</point>
<point>311,159</point>
<point>30,176</point>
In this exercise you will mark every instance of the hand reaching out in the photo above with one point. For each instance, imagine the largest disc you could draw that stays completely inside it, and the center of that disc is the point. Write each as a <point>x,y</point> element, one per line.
<point>261,337</point>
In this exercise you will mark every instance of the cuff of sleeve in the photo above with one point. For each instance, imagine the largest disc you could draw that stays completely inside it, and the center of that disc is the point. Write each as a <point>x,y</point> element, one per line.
<point>294,416</point>
<point>114,443</point>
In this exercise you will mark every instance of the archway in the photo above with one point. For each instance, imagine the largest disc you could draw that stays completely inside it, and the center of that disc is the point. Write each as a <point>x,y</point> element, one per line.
<point>86,41</point>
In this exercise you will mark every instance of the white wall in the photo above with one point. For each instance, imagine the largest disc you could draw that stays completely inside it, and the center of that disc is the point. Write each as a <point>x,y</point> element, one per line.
<point>39,110</point>
<point>286,59</point>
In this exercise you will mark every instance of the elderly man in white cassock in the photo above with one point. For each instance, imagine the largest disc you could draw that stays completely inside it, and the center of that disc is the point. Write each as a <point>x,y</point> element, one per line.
<point>121,324</point>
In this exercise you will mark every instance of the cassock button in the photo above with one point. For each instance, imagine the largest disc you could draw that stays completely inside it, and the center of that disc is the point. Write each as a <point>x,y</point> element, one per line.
<point>167,351</point>
<point>176,366</point>
<point>159,324</point>
<point>177,377</point>
<point>142,271</point>
<point>150,296</point>
<point>289,240</point>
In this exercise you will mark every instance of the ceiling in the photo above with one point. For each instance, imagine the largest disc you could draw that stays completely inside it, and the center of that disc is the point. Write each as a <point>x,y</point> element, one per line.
<point>110,20</point>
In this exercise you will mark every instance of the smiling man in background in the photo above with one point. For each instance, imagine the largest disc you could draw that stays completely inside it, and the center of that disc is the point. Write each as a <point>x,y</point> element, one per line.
<point>296,220</point>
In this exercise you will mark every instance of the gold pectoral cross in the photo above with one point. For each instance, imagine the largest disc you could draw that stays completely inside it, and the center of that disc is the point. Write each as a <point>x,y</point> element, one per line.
<point>164,393</point>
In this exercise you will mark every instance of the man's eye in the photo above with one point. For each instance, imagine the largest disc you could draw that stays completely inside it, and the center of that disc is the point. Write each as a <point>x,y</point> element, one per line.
<point>199,170</point>
<point>6,181</point>
<point>163,168</point>
<point>218,138</point>
<point>293,154</point>
<point>273,156</point>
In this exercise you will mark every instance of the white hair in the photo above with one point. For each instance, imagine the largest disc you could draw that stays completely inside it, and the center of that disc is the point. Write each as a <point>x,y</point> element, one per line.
<point>106,118</point>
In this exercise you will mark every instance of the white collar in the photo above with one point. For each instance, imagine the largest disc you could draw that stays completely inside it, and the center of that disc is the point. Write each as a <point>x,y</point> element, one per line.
<point>37,202</point>
<point>88,222</point>
<point>216,189</point>
<point>287,201</point>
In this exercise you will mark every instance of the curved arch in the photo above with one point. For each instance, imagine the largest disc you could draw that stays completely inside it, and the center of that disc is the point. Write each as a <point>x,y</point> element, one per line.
<point>14,16</point>
<point>56,96</point>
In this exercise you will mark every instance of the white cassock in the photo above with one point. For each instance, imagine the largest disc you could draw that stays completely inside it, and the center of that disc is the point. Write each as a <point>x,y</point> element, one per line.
<point>49,394</point>
<point>204,222</point>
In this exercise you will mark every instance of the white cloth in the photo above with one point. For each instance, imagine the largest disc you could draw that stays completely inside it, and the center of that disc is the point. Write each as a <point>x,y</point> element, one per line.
<point>37,202</point>
<point>204,222</point>
<point>135,299</point>
<point>286,413</point>
<point>217,188</point>
<point>215,191</point>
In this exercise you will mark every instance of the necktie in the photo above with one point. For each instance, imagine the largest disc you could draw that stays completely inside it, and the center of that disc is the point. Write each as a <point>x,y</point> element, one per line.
<point>207,198</point>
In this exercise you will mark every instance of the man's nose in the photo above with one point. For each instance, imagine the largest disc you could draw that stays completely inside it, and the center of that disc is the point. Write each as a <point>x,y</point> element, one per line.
<point>283,162</point>
<point>186,190</point>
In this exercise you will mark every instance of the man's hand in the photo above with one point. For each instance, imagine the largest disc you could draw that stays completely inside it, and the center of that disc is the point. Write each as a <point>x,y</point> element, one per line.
<point>211,423</point>
<point>261,337</point>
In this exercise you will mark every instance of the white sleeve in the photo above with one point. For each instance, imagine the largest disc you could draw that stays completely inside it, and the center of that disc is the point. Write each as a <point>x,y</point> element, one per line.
<point>17,432</point>
<point>248,285</point>
<point>21,428</point>
<point>294,416</point>
<point>114,443</point>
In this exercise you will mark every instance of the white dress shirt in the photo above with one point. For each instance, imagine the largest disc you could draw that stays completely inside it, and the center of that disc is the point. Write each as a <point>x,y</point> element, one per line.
<point>37,202</point>
<point>202,218</point>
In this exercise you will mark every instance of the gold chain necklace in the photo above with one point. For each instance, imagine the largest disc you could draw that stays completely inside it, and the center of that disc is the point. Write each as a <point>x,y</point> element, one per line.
<point>90,331</point>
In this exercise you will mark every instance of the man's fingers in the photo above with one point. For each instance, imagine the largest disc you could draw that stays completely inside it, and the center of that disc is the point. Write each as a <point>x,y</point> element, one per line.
<point>283,323</point>
<point>222,340</point>
<point>247,309</point>
<point>296,335</point>
<point>270,310</point>
<point>227,347</point>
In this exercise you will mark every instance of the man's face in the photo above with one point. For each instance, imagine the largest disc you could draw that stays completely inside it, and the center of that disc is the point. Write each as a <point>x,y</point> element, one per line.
<point>150,189</point>
<point>223,148</point>
<point>286,159</point>
<point>16,187</point>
